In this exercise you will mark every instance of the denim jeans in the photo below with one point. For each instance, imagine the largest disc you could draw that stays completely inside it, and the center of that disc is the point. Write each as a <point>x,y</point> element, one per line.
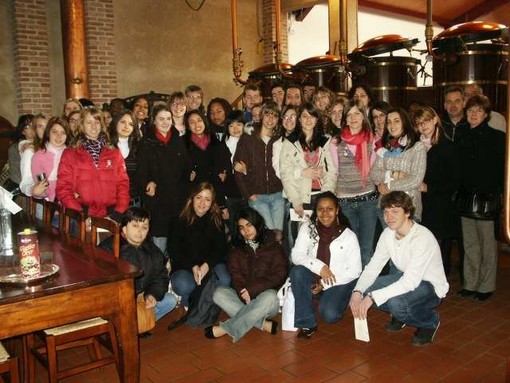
<point>414,308</point>
<point>363,218</point>
<point>183,282</point>
<point>272,208</point>
<point>166,305</point>
<point>243,317</point>
<point>333,301</point>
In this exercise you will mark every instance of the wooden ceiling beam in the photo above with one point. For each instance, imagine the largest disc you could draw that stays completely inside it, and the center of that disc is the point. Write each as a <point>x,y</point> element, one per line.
<point>479,10</point>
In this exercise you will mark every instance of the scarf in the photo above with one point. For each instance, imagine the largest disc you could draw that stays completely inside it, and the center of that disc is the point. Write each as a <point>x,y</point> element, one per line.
<point>161,138</point>
<point>395,146</point>
<point>426,142</point>
<point>326,236</point>
<point>94,147</point>
<point>57,154</point>
<point>362,159</point>
<point>201,141</point>
<point>254,245</point>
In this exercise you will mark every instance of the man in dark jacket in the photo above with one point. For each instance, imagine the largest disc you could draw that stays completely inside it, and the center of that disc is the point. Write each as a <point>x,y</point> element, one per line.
<point>144,254</point>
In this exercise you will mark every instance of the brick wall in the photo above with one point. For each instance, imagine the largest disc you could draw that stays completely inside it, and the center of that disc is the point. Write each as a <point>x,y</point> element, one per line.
<point>31,56</point>
<point>99,31</point>
<point>269,32</point>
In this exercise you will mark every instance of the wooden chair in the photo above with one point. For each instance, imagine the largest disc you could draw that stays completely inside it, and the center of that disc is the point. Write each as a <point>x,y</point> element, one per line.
<point>101,225</point>
<point>34,207</point>
<point>79,218</point>
<point>51,208</point>
<point>9,365</point>
<point>90,333</point>
<point>25,202</point>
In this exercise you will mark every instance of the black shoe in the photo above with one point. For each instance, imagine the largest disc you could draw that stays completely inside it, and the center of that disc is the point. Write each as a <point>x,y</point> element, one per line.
<point>424,336</point>
<point>395,325</point>
<point>306,333</point>
<point>209,333</point>
<point>274,326</point>
<point>179,322</point>
<point>482,296</point>
<point>145,335</point>
<point>465,293</point>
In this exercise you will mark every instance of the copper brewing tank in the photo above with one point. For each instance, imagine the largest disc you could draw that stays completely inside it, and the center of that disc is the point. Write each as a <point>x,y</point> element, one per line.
<point>326,70</point>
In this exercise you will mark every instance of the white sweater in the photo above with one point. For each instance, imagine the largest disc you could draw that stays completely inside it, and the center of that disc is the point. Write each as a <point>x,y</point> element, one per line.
<point>345,261</point>
<point>417,255</point>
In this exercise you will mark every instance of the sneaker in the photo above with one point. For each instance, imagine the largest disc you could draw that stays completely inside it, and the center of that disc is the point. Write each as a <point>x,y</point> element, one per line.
<point>424,336</point>
<point>395,325</point>
<point>306,333</point>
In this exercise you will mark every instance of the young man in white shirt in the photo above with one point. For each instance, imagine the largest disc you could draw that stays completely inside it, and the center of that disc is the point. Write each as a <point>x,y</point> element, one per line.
<point>416,283</point>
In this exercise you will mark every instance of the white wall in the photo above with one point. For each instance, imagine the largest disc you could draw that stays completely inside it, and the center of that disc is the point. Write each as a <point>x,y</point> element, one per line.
<point>309,38</point>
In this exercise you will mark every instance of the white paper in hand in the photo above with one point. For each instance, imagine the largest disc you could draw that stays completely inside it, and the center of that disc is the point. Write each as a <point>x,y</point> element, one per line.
<point>295,217</point>
<point>361,329</point>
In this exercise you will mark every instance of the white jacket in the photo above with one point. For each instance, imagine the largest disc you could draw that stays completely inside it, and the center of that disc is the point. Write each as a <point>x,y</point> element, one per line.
<point>345,261</point>
<point>292,161</point>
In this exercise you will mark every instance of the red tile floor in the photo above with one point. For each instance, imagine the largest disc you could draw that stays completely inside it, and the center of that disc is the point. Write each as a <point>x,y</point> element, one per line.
<point>472,345</point>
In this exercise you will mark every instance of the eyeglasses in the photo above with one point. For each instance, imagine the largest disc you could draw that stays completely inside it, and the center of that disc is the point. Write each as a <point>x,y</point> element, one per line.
<point>422,123</point>
<point>177,104</point>
<point>291,117</point>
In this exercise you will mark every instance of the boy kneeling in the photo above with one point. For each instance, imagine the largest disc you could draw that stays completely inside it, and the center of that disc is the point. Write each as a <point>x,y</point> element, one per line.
<point>416,283</point>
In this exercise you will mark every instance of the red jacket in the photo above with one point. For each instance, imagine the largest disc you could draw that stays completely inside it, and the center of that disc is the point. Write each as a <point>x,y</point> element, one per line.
<point>81,183</point>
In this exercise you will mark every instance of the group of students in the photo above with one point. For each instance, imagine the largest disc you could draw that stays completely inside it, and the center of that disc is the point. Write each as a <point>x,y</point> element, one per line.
<point>335,164</point>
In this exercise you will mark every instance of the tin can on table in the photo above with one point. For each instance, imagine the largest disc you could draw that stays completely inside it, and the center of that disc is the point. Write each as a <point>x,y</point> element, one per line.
<point>29,256</point>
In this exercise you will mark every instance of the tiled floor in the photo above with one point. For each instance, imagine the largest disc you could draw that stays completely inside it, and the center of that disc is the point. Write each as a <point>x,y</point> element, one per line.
<point>472,345</point>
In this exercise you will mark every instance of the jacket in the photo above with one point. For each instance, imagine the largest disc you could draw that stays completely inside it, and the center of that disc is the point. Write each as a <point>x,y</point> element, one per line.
<point>442,178</point>
<point>169,166</point>
<point>150,259</point>
<point>412,161</point>
<point>482,155</point>
<point>201,242</point>
<point>102,188</point>
<point>260,270</point>
<point>345,261</point>
<point>261,177</point>
<point>298,189</point>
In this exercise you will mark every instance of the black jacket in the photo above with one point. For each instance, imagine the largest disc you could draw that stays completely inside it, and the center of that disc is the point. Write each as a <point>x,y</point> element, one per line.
<point>169,166</point>
<point>151,260</point>
<point>195,244</point>
<point>454,132</point>
<point>443,179</point>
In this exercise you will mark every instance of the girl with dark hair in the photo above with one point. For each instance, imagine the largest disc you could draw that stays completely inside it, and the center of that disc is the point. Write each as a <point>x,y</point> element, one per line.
<point>258,267</point>
<point>197,242</point>
<point>46,160</point>
<point>401,161</point>
<point>140,108</point>
<point>73,120</point>
<point>363,93</point>
<point>162,175</point>
<point>23,135</point>
<point>336,111</point>
<point>355,189</point>
<point>224,167</point>
<point>92,175</point>
<point>217,112</point>
<point>125,135</point>
<point>287,130</point>
<point>442,179</point>
<point>306,164</point>
<point>327,261</point>
<point>378,112</point>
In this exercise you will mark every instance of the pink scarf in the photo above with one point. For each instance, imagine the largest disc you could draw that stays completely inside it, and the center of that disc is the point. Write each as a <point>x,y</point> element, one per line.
<point>361,158</point>
<point>202,142</point>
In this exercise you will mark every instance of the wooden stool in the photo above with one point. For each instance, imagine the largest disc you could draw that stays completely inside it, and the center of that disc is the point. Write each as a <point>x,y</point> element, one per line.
<point>90,333</point>
<point>51,208</point>
<point>79,217</point>
<point>9,365</point>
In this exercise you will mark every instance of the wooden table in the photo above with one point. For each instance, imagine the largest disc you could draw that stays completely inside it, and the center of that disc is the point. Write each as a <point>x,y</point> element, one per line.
<point>90,283</point>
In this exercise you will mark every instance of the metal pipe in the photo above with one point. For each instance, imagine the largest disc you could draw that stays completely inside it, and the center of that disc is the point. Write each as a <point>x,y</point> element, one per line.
<point>278,17</point>
<point>429,33</point>
<point>237,62</point>
<point>343,32</point>
<point>506,192</point>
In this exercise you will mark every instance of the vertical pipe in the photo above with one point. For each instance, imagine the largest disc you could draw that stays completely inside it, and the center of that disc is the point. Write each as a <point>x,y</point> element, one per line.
<point>278,16</point>
<point>74,45</point>
<point>233,13</point>
<point>506,192</point>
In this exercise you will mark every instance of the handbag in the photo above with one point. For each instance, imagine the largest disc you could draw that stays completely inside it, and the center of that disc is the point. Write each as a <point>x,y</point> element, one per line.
<point>202,311</point>
<point>287,304</point>
<point>477,205</point>
<point>146,317</point>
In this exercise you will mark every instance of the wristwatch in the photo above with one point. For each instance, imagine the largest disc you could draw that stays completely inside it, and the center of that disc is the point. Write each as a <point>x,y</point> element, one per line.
<point>370,296</point>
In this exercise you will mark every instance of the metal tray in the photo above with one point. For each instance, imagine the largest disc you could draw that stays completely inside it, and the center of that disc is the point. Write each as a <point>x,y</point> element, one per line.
<point>12,275</point>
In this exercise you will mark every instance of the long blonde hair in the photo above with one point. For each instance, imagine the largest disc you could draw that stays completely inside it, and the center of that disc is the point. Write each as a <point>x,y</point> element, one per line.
<point>96,113</point>
<point>426,113</point>
<point>188,212</point>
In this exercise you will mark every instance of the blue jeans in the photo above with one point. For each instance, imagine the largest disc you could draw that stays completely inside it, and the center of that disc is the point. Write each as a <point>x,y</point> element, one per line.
<point>272,208</point>
<point>333,301</point>
<point>415,308</point>
<point>363,219</point>
<point>166,305</point>
<point>243,317</point>
<point>183,282</point>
